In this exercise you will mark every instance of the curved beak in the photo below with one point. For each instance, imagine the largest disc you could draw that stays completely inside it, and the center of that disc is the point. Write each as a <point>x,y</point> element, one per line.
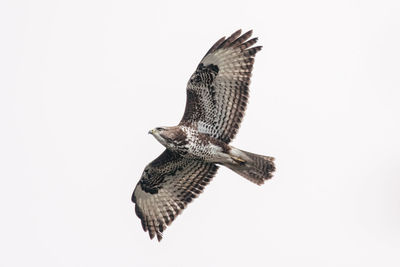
<point>151,131</point>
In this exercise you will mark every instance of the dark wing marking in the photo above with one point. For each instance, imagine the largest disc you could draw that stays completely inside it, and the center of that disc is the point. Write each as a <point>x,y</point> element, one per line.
<point>167,185</point>
<point>218,90</point>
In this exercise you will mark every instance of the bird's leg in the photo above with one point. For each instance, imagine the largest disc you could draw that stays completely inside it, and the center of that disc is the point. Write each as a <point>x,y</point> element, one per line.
<point>238,160</point>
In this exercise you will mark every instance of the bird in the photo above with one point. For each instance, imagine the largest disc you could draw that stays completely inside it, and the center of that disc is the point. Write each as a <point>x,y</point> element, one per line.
<point>216,99</point>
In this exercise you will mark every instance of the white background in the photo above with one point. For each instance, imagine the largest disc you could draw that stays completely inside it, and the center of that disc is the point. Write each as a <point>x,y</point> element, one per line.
<point>81,83</point>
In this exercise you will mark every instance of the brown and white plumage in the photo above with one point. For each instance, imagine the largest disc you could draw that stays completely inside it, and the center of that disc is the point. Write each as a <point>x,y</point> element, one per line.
<point>167,185</point>
<point>217,94</point>
<point>218,90</point>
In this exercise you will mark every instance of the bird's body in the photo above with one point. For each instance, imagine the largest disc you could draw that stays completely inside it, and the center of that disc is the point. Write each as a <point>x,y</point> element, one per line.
<point>191,143</point>
<point>217,96</point>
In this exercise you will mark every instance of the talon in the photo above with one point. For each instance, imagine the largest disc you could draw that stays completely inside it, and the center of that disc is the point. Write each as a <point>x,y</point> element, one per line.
<point>238,160</point>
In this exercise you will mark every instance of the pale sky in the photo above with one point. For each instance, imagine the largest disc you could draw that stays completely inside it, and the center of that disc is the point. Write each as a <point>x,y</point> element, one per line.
<point>82,82</point>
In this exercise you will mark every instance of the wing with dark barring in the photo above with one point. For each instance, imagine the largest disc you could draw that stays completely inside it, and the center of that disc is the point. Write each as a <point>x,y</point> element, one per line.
<point>167,185</point>
<point>218,90</point>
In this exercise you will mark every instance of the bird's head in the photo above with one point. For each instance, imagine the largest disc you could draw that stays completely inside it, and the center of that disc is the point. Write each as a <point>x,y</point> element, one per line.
<point>160,134</point>
<point>170,137</point>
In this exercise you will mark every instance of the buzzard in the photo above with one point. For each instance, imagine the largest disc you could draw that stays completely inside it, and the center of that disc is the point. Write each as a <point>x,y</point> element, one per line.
<point>217,94</point>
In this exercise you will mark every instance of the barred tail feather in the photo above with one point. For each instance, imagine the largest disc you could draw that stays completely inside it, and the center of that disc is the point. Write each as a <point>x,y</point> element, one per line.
<point>256,168</point>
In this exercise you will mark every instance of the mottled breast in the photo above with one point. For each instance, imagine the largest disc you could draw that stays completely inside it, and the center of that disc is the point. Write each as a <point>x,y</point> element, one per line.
<point>203,146</point>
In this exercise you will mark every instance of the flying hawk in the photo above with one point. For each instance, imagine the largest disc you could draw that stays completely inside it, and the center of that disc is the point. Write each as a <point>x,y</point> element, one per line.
<point>217,94</point>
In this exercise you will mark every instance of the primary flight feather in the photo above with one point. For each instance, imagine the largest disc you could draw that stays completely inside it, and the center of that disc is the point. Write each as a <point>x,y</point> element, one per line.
<point>216,99</point>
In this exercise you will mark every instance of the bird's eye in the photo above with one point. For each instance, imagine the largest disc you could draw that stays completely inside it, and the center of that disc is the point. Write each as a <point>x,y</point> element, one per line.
<point>159,128</point>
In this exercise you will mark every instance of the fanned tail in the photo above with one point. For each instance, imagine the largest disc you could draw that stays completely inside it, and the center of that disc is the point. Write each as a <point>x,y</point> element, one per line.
<point>256,168</point>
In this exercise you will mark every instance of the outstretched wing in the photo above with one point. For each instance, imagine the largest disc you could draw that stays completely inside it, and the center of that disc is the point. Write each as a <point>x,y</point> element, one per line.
<point>167,185</point>
<point>217,91</point>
